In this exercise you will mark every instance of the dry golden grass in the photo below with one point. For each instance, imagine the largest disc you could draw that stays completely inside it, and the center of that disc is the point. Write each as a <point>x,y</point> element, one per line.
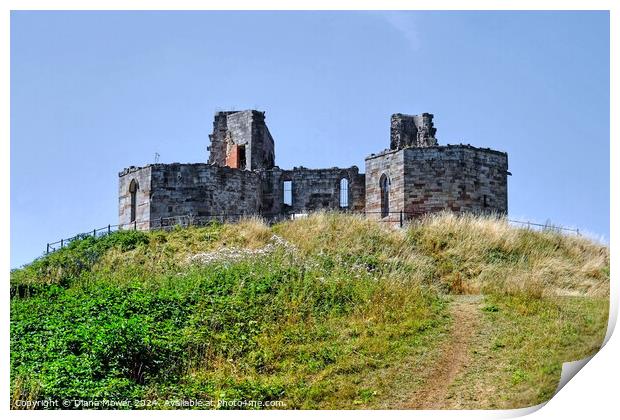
<point>464,254</point>
<point>250,232</point>
<point>490,255</point>
<point>457,254</point>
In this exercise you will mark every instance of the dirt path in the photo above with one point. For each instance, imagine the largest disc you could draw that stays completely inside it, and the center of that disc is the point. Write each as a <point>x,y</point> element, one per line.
<point>454,357</point>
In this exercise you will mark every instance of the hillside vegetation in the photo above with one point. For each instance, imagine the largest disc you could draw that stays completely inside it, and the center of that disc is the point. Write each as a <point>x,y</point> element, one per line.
<point>332,311</point>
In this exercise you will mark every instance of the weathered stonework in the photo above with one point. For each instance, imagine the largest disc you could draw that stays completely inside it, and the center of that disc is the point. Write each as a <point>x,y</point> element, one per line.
<point>317,189</point>
<point>234,131</point>
<point>422,180</point>
<point>391,164</point>
<point>416,176</point>
<point>459,178</point>
<point>412,131</point>
<point>200,190</point>
<point>142,178</point>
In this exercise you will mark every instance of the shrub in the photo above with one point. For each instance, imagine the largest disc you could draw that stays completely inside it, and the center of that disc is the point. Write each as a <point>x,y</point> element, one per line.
<point>65,265</point>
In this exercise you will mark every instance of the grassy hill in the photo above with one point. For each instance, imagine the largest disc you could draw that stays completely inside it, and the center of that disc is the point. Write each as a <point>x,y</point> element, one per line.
<point>332,311</point>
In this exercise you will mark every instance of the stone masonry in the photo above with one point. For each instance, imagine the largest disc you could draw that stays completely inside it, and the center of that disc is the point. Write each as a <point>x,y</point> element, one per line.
<point>412,131</point>
<point>414,177</point>
<point>241,140</point>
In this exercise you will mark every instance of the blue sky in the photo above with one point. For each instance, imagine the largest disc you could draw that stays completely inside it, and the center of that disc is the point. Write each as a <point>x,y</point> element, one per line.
<point>94,92</point>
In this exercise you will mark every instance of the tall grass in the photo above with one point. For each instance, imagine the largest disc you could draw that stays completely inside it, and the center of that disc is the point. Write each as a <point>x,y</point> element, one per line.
<point>457,254</point>
<point>309,311</point>
<point>460,254</point>
<point>489,255</point>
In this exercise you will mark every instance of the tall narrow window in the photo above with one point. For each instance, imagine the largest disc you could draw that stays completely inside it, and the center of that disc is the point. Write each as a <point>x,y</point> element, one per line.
<point>288,193</point>
<point>384,184</point>
<point>344,193</point>
<point>241,157</point>
<point>133,191</point>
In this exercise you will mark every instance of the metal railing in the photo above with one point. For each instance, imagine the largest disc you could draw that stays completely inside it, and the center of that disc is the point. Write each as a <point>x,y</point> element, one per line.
<point>162,223</point>
<point>53,246</point>
<point>397,218</point>
<point>403,217</point>
<point>545,227</point>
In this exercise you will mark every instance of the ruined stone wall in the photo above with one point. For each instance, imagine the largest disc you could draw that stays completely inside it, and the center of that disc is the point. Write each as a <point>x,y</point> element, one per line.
<point>241,128</point>
<point>459,178</point>
<point>312,189</point>
<point>240,134</point>
<point>218,142</point>
<point>262,151</point>
<point>241,178</point>
<point>142,176</point>
<point>202,190</point>
<point>391,164</point>
<point>272,193</point>
<point>412,131</point>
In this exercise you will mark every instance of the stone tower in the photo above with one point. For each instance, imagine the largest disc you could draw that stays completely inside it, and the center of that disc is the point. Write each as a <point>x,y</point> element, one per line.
<point>412,131</point>
<point>417,176</point>
<point>241,140</point>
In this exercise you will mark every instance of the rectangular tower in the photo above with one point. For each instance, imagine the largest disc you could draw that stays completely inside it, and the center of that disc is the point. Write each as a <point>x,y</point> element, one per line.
<point>241,140</point>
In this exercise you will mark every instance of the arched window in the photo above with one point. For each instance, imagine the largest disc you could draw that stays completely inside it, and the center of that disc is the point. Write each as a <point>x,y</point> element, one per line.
<point>133,190</point>
<point>384,184</point>
<point>344,193</point>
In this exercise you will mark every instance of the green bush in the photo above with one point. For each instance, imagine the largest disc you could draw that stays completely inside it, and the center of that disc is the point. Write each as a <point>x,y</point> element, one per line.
<point>97,342</point>
<point>66,264</point>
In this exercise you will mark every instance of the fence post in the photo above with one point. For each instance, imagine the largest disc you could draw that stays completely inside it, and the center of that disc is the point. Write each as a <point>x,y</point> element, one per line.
<point>48,249</point>
<point>94,233</point>
<point>109,229</point>
<point>161,222</point>
<point>401,218</point>
<point>61,242</point>
<point>135,225</point>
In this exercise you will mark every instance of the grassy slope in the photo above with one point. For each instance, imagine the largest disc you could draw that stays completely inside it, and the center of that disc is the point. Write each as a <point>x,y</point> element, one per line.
<point>517,355</point>
<point>341,313</point>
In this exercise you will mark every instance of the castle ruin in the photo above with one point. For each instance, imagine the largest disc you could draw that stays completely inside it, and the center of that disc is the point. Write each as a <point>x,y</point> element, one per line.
<point>415,176</point>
